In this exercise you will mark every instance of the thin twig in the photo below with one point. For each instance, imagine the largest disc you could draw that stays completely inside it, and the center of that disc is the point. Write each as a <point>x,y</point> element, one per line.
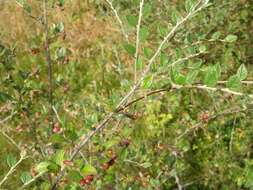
<point>28,12</point>
<point>49,62</point>
<point>10,139</point>
<point>57,115</point>
<point>119,20</point>
<point>198,125</point>
<point>31,181</point>
<point>243,82</point>
<point>179,61</point>
<point>103,123</point>
<point>5,134</point>
<point>137,43</point>
<point>7,118</point>
<point>204,87</point>
<point>232,137</point>
<point>151,61</point>
<point>179,186</point>
<point>13,168</point>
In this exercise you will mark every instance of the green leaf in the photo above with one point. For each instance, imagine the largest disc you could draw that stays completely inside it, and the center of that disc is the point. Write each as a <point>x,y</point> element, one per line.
<point>4,97</point>
<point>11,160</point>
<point>42,167</point>
<point>211,76</point>
<point>25,177</point>
<point>164,60</point>
<point>139,64</point>
<point>234,83</point>
<point>146,165</point>
<point>216,35</point>
<point>147,9</point>
<point>189,5</point>
<point>175,16</point>
<point>132,20</point>
<point>59,157</point>
<point>148,52</point>
<point>144,33</point>
<point>242,72</point>
<point>180,79</point>
<point>231,38</point>
<point>162,30</point>
<point>191,76</point>
<point>61,53</point>
<point>147,82</point>
<point>74,176</point>
<point>202,48</point>
<point>88,170</point>
<point>130,49</point>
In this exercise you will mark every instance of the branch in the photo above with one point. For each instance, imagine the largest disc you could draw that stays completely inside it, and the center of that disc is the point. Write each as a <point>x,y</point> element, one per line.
<point>31,181</point>
<point>28,12</point>
<point>49,61</point>
<point>249,82</point>
<point>180,187</point>
<point>13,168</point>
<point>144,96</point>
<point>179,61</point>
<point>204,87</point>
<point>137,40</point>
<point>200,124</point>
<point>86,138</point>
<point>151,61</point>
<point>7,118</point>
<point>118,19</point>
<point>10,139</point>
<point>6,135</point>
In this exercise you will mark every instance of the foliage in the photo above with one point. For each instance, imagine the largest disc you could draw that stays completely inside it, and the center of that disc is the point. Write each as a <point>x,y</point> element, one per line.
<point>186,124</point>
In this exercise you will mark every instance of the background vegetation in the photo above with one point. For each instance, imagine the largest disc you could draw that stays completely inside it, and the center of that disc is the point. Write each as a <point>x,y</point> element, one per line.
<point>190,129</point>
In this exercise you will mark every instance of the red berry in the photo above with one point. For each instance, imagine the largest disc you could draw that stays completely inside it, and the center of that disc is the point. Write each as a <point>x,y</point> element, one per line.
<point>87,180</point>
<point>204,117</point>
<point>68,162</point>
<point>82,182</point>
<point>33,172</point>
<point>56,129</point>
<point>19,129</point>
<point>125,143</point>
<point>106,166</point>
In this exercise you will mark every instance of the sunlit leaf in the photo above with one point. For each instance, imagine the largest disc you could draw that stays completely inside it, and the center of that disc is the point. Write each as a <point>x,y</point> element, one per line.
<point>88,170</point>
<point>234,83</point>
<point>242,72</point>
<point>25,177</point>
<point>11,160</point>
<point>231,38</point>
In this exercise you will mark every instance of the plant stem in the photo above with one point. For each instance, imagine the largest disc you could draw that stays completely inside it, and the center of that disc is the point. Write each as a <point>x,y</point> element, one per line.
<point>13,168</point>
<point>137,43</point>
<point>119,20</point>
<point>49,62</point>
<point>86,138</point>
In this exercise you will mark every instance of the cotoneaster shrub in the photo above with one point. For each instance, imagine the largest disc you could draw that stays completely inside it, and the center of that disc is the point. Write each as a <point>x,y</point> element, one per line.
<point>126,94</point>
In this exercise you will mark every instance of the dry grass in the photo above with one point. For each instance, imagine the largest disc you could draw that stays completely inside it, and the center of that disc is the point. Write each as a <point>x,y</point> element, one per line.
<point>81,32</point>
